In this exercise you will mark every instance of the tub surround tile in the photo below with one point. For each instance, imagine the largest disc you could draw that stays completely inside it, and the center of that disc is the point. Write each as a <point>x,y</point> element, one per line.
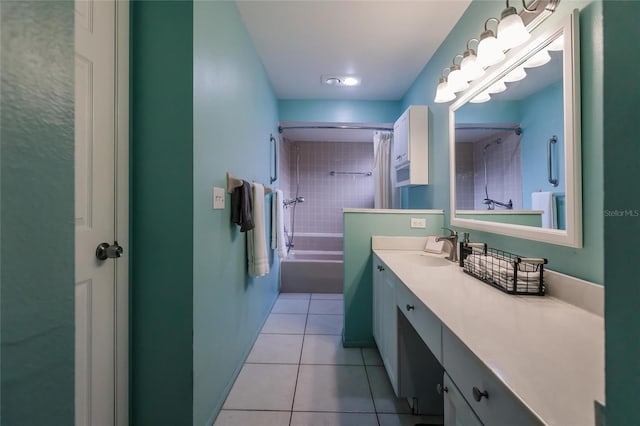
<point>285,324</point>
<point>276,349</point>
<point>324,324</point>
<point>263,387</point>
<point>335,388</point>
<point>326,307</point>
<point>244,418</point>
<point>333,419</point>
<point>327,349</point>
<point>291,306</point>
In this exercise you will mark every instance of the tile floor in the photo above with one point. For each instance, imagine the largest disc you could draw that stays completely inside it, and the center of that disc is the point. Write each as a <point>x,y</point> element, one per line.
<point>298,373</point>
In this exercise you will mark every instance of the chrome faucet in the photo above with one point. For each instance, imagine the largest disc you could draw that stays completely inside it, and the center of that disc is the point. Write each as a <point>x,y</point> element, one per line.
<point>452,241</point>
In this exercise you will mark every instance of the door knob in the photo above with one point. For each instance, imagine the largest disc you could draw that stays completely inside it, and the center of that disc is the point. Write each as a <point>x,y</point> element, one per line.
<point>410,307</point>
<point>441,388</point>
<point>106,251</point>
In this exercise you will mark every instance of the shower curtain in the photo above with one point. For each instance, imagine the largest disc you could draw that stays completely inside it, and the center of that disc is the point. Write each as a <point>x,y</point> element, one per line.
<point>381,170</point>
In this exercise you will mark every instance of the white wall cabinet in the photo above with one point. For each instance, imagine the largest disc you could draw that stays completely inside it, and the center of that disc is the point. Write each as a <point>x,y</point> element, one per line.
<point>410,158</point>
<point>385,320</point>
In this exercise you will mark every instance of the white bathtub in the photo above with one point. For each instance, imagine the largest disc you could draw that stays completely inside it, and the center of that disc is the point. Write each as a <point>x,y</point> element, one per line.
<point>314,265</point>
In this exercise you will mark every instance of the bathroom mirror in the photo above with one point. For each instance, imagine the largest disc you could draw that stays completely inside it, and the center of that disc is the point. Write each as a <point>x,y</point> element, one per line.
<point>515,154</point>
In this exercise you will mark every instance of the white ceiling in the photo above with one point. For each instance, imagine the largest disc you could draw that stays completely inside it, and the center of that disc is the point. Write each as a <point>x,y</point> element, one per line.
<point>386,43</point>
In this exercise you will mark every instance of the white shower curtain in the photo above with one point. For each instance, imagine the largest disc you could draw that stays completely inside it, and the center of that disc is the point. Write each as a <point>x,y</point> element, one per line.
<point>381,169</point>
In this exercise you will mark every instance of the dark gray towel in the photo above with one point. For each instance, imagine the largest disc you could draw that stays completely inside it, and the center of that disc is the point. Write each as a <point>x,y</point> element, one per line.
<point>241,207</point>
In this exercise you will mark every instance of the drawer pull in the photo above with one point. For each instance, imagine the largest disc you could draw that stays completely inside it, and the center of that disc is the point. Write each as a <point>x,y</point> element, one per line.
<point>477,395</point>
<point>441,388</point>
<point>410,307</point>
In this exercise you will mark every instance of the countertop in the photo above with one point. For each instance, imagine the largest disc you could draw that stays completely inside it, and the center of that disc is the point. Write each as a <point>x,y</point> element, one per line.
<point>549,353</point>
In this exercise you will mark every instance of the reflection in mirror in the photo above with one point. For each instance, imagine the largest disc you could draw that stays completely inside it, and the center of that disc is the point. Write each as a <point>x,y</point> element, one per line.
<point>510,139</point>
<point>501,149</point>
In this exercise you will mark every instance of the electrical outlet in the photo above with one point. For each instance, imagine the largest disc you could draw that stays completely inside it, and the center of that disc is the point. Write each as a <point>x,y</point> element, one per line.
<point>418,222</point>
<point>218,198</point>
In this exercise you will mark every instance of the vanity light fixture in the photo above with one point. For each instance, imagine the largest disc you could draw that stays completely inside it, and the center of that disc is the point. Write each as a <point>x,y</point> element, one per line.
<point>469,65</point>
<point>497,87</point>
<point>443,92</point>
<point>489,49</point>
<point>516,75</point>
<point>557,44</point>
<point>457,80</point>
<point>511,30</point>
<point>537,60</point>
<point>481,97</point>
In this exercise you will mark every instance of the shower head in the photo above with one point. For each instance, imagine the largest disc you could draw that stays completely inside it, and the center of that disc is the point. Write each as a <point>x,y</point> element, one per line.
<point>498,141</point>
<point>300,199</point>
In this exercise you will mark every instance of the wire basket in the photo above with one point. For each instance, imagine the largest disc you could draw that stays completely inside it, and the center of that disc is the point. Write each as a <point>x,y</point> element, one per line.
<point>505,271</point>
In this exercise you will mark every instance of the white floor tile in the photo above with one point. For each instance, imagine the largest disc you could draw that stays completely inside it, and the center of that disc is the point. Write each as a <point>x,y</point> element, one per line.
<point>294,296</point>
<point>290,306</point>
<point>285,324</point>
<point>244,418</point>
<point>371,356</point>
<point>408,420</point>
<point>327,349</point>
<point>383,396</point>
<point>335,388</point>
<point>263,387</point>
<point>324,324</point>
<point>276,349</point>
<point>327,307</point>
<point>327,296</point>
<point>333,419</point>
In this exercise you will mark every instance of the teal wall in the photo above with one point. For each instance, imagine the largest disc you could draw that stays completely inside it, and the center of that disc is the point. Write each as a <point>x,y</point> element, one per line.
<point>37,229</point>
<point>348,111</point>
<point>587,262</point>
<point>358,293</point>
<point>235,111</point>
<point>542,117</point>
<point>161,213</point>
<point>621,159</point>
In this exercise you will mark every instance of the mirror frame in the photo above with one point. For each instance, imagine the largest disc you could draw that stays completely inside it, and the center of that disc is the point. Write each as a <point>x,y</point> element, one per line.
<point>572,236</point>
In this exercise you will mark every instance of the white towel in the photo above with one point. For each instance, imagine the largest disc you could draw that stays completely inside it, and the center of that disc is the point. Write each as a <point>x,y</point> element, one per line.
<point>278,240</point>
<point>257,255</point>
<point>546,202</point>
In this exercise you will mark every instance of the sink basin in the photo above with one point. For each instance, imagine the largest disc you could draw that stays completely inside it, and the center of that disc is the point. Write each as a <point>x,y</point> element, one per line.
<point>426,259</point>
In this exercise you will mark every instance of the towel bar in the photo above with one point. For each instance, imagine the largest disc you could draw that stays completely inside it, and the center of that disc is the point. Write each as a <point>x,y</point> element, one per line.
<point>233,182</point>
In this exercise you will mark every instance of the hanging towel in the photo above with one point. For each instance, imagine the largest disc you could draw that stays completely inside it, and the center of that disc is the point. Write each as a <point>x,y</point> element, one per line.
<point>257,255</point>
<point>546,202</point>
<point>278,240</point>
<point>241,207</point>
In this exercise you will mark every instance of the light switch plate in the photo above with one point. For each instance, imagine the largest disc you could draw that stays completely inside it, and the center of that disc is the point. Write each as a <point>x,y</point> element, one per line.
<point>218,198</point>
<point>418,222</point>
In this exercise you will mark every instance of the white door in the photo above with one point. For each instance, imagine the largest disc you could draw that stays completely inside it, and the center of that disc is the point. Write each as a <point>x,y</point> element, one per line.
<point>98,287</point>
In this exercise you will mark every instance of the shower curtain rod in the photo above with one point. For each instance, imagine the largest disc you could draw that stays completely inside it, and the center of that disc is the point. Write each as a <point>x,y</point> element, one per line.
<point>517,130</point>
<point>343,127</point>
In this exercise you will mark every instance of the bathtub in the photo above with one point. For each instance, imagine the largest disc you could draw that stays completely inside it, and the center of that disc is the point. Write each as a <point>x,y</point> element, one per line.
<point>314,265</point>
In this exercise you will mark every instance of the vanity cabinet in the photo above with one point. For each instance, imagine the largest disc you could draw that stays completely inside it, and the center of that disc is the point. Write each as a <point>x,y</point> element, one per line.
<point>457,412</point>
<point>489,399</point>
<point>384,319</point>
<point>411,147</point>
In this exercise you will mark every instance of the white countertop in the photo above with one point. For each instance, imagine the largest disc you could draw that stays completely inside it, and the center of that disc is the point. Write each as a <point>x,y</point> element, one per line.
<point>549,353</point>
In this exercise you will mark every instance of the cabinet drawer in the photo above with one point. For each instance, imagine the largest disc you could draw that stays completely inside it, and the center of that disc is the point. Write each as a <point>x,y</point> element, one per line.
<point>426,324</point>
<point>498,406</point>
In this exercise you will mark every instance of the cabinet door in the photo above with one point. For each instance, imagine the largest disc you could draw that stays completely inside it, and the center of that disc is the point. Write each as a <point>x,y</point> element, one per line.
<point>401,140</point>
<point>377,298</point>
<point>456,410</point>
<point>390,329</point>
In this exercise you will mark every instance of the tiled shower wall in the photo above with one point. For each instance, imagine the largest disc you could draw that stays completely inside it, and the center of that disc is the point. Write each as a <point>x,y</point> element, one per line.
<point>325,195</point>
<point>504,172</point>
